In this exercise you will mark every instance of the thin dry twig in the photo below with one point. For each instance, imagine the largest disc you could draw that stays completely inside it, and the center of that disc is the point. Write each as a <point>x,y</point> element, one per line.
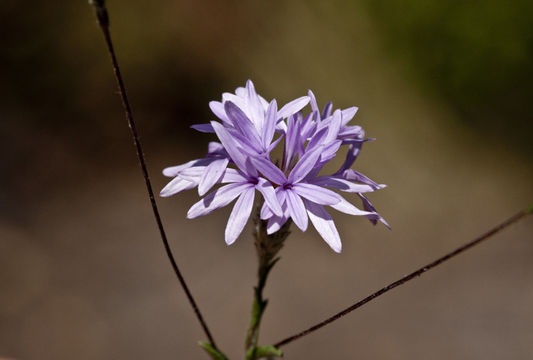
<point>103,22</point>
<point>513,219</point>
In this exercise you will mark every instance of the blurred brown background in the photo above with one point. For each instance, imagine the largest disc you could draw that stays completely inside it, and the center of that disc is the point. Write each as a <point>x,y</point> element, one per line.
<point>444,87</point>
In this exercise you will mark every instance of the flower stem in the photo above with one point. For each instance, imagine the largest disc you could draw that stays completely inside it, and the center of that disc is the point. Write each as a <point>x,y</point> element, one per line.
<point>513,219</point>
<point>267,247</point>
<point>103,21</point>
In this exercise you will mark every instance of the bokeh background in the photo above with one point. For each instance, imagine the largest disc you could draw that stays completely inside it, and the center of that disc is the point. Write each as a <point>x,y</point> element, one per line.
<point>445,87</point>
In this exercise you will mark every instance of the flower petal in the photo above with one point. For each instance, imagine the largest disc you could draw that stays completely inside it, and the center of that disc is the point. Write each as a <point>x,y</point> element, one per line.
<point>351,155</point>
<point>217,199</point>
<point>270,124</point>
<point>348,114</point>
<point>212,174</point>
<point>255,108</point>
<point>347,208</point>
<point>342,184</point>
<point>173,171</point>
<point>305,165</point>
<point>232,176</point>
<point>324,224</point>
<point>193,174</point>
<point>265,212</point>
<point>239,215</point>
<point>231,146</point>
<point>296,208</point>
<point>353,175</point>
<point>275,223</point>
<point>317,194</point>
<point>293,107</point>
<point>242,122</point>
<point>269,170</point>
<point>218,109</point>
<point>312,98</point>
<point>175,186</point>
<point>327,110</point>
<point>266,189</point>
<point>373,218</point>
<point>205,128</point>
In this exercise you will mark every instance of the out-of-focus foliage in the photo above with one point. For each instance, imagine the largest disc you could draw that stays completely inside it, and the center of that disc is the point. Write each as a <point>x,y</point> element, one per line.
<point>476,54</point>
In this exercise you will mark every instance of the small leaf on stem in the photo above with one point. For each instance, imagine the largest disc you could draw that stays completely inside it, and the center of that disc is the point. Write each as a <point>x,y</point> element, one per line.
<point>263,351</point>
<point>214,353</point>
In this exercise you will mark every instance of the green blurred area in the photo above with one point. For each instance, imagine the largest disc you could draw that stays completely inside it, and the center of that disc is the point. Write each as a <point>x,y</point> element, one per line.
<point>476,55</point>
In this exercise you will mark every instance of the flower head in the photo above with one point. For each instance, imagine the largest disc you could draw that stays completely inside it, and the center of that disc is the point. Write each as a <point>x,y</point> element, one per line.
<point>292,188</point>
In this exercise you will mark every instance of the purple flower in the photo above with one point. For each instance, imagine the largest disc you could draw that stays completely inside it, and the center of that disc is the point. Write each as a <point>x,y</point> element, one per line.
<point>292,188</point>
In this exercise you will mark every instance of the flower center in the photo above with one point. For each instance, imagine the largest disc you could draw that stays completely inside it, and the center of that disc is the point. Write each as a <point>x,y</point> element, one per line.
<point>287,186</point>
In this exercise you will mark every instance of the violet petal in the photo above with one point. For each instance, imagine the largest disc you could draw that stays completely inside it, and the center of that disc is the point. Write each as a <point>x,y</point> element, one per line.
<point>324,225</point>
<point>239,215</point>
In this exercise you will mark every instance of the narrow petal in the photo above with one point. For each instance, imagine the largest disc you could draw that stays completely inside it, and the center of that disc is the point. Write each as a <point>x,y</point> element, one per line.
<point>312,98</point>
<point>305,165</point>
<point>266,189</point>
<point>175,186</point>
<point>237,100</point>
<point>193,174</point>
<point>217,199</point>
<point>212,174</point>
<point>317,139</point>
<point>373,218</point>
<point>334,127</point>
<point>232,176</point>
<point>275,223</point>
<point>173,171</point>
<point>327,110</point>
<point>291,141</point>
<point>269,170</point>
<point>255,108</point>
<point>242,122</point>
<point>348,114</point>
<point>270,124</point>
<point>351,155</point>
<point>353,175</point>
<point>296,208</point>
<point>342,184</point>
<point>239,215</point>
<point>218,109</point>
<point>205,128</point>
<point>324,224</point>
<point>351,132</point>
<point>273,145</point>
<point>347,208</point>
<point>317,194</point>
<point>265,212</point>
<point>215,147</point>
<point>293,107</point>
<point>231,146</point>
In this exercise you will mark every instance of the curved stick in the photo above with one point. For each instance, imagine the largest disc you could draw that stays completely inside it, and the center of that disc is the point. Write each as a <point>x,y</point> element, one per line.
<point>103,21</point>
<point>409,277</point>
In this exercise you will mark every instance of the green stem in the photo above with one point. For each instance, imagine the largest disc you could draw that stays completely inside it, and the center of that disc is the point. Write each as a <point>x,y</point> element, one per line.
<point>267,247</point>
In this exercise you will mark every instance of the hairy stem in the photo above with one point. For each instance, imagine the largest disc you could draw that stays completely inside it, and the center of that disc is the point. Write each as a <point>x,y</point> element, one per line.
<point>267,247</point>
<point>513,219</point>
<point>103,22</point>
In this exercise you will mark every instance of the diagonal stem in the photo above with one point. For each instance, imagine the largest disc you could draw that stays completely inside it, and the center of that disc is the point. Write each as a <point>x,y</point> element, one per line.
<point>409,277</point>
<point>103,22</point>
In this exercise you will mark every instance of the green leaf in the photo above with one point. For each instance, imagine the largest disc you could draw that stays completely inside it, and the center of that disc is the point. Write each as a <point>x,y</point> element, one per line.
<point>263,351</point>
<point>214,353</point>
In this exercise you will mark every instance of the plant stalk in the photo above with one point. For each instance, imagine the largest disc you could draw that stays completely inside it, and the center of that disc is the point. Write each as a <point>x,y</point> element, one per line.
<point>267,247</point>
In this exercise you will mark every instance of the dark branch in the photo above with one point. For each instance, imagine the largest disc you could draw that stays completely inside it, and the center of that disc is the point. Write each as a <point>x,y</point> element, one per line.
<point>409,277</point>
<point>103,21</point>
